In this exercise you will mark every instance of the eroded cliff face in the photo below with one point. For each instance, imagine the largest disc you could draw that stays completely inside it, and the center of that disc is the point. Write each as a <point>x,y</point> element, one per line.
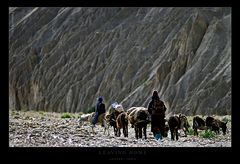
<point>62,59</point>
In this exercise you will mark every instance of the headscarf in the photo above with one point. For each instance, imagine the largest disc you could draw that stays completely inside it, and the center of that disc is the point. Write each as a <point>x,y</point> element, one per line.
<point>100,99</point>
<point>155,95</point>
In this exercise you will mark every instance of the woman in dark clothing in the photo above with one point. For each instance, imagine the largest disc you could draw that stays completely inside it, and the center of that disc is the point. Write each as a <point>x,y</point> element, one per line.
<point>157,109</point>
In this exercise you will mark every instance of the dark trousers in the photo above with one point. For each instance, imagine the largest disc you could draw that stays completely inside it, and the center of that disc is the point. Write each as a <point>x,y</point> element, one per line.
<point>158,124</point>
<point>95,118</point>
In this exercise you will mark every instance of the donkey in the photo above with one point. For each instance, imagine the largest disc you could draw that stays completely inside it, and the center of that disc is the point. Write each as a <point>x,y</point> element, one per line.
<point>122,123</point>
<point>111,117</point>
<point>139,118</point>
<point>215,124</point>
<point>198,123</point>
<point>184,125</point>
<point>174,125</point>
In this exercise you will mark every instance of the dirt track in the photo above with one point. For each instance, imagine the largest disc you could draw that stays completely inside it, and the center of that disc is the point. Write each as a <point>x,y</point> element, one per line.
<point>38,129</point>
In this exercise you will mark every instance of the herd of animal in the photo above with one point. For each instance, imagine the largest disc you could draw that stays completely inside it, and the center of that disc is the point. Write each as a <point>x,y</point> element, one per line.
<point>139,118</point>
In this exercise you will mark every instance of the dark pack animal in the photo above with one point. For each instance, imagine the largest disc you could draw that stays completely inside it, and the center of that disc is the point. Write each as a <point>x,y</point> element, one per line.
<point>139,118</point>
<point>174,125</point>
<point>128,113</point>
<point>184,125</point>
<point>211,124</point>
<point>122,123</point>
<point>132,113</point>
<point>222,125</point>
<point>111,121</point>
<point>111,117</point>
<point>198,123</point>
<point>215,125</point>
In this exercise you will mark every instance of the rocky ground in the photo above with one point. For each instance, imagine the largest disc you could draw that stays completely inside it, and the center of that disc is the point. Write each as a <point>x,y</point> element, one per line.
<point>43,129</point>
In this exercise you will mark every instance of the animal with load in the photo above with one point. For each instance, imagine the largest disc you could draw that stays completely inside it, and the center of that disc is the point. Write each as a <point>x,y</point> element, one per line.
<point>122,123</point>
<point>139,118</point>
<point>111,117</point>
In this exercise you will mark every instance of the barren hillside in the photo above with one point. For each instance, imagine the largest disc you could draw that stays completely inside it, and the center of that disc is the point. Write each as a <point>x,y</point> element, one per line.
<point>62,58</point>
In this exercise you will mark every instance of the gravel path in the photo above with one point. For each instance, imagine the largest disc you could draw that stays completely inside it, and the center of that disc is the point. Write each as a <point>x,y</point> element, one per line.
<point>38,129</point>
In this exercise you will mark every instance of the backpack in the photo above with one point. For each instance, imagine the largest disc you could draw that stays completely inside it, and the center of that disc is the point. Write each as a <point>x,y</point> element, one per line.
<point>102,108</point>
<point>158,107</point>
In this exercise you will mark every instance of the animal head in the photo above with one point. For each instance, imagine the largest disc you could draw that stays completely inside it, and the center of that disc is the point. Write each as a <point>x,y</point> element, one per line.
<point>183,121</point>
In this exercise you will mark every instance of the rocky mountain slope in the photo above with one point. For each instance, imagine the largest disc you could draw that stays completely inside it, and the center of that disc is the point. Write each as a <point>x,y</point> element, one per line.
<point>62,59</point>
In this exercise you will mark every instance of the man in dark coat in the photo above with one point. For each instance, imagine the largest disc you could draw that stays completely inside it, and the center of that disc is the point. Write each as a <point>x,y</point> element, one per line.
<point>157,109</point>
<point>99,109</point>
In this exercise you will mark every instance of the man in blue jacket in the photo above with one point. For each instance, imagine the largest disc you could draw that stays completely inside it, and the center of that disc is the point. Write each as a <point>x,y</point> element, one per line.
<point>99,109</point>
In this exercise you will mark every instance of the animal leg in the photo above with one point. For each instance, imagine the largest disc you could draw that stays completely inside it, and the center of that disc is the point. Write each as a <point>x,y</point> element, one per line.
<point>195,132</point>
<point>118,133</point>
<point>136,132</point>
<point>124,132</point>
<point>145,131</point>
<point>115,131</point>
<point>140,132</point>
<point>172,135</point>
<point>176,134</point>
